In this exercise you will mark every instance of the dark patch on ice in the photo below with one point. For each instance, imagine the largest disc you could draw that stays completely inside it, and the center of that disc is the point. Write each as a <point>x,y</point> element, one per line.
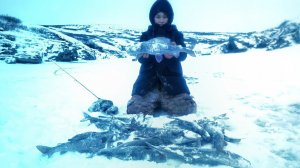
<point>218,74</point>
<point>191,80</point>
<point>286,154</point>
<point>294,108</point>
<point>261,123</point>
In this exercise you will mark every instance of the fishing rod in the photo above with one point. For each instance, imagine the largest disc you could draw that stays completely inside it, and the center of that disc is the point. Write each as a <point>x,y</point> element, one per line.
<point>76,80</point>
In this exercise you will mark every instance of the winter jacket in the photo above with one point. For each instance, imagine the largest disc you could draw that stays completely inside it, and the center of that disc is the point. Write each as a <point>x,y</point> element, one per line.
<point>167,75</point>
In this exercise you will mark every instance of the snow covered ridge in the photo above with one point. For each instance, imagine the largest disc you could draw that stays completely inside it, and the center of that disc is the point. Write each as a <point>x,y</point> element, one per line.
<point>285,35</point>
<point>35,44</point>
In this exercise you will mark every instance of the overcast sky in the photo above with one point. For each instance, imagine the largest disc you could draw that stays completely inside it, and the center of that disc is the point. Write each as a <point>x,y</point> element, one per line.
<point>193,15</point>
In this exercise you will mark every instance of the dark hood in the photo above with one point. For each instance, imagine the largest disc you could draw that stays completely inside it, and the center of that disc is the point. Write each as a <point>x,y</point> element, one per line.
<point>161,6</point>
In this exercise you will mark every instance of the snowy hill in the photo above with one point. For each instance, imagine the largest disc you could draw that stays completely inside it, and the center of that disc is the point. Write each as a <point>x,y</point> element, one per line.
<point>35,44</point>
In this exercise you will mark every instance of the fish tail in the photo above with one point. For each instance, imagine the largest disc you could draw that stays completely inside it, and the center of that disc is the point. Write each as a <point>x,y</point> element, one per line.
<point>86,115</point>
<point>45,150</point>
<point>191,53</point>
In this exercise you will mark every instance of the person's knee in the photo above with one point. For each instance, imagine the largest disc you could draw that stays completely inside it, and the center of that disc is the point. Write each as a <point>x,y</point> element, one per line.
<point>182,104</point>
<point>137,105</point>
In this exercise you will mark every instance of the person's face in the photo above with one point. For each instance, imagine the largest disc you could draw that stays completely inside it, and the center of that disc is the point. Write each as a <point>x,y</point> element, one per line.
<point>161,19</point>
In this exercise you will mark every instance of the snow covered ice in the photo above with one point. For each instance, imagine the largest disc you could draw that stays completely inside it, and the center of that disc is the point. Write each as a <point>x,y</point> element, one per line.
<point>258,90</point>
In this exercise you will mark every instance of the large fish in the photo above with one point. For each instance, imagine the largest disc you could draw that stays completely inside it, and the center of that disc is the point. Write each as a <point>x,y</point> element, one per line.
<point>89,142</point>
<point>157,47</point>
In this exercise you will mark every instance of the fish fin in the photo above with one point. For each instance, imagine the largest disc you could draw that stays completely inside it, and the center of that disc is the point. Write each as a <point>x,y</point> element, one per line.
<point>191,53</point>
<point>63,152</point>
<point>90,155</point>
<point>86,115</point>
<point>198,53</point>
<point>232,140</point>
<point>45,150</point>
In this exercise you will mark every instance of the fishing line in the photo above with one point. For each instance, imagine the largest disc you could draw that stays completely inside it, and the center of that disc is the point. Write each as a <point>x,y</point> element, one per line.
<point>76,80</point>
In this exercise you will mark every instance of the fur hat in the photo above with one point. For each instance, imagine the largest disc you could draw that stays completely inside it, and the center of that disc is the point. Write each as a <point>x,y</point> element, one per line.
<point>161,6</point>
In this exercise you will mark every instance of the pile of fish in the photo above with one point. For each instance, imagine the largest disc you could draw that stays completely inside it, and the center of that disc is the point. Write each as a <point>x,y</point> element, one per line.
<point>133,137</point>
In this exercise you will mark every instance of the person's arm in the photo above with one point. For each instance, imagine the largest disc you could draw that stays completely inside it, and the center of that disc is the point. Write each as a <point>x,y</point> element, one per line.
<point>180,40</point>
